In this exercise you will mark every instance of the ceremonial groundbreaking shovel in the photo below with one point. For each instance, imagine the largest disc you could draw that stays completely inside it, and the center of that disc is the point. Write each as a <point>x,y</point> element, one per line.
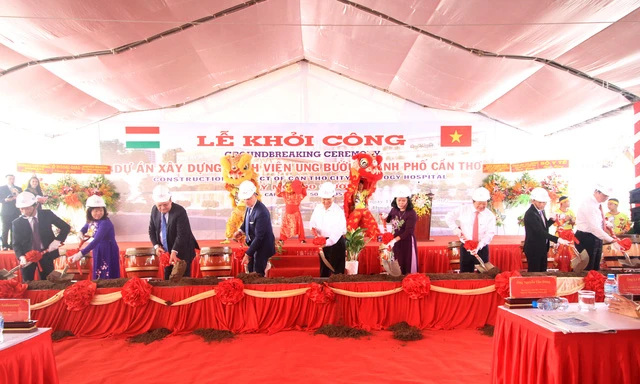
<point>627,262</point>
<point>484,267</point>
<point>10,274</point>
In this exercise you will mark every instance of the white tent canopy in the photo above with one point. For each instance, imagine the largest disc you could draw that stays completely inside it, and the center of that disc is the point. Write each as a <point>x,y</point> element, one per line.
<point>537,65</point>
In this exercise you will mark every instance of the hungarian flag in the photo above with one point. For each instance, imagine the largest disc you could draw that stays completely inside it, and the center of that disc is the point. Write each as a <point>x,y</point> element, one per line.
<point>455,136</point>
<point>142,137</point>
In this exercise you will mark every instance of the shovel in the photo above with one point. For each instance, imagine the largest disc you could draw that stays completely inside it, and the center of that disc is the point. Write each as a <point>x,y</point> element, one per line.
<point>56,276</point>
<point>10,274</point>
<point>484,267</point>
<point>627,262</point>
<point>580,260</point>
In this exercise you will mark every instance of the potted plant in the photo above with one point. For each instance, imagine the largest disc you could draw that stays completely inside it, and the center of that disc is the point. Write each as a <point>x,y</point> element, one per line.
<point>355,244</point>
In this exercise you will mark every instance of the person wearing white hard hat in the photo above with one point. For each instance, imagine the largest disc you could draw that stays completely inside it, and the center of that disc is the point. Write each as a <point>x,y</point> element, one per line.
<point>170,231</point>
<point>33,231</point>
<point>473,222</point>
<point>591,228</point>
<point>328,221</point>
<point>403,220</point>
<point>8,194</point>
<point>106,253</point>
<point>257,229</point>
<point>537,238</point>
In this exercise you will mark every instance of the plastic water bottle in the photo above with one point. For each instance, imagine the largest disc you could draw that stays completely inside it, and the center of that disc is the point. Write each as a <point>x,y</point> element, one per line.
<point>610,287</point>
<point>551,304</point>
<point>1,328</point>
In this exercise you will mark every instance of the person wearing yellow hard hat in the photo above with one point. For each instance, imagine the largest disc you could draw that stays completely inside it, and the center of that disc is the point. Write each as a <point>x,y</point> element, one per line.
<point>33,231</point>
<point>106,253</point>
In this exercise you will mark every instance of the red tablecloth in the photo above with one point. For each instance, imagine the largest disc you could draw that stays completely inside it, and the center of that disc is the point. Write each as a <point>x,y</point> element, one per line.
<point>28,358</point>
<point>524,352</point>
<point>253,314</point>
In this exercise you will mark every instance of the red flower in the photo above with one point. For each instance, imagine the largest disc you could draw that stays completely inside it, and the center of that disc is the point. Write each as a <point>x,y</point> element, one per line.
<point>387,237</point>
<point>79,295</point>
<point>416,285</point>
<point>33,256</point>
<point>12,289</point>
<point>321,294</point>
<point>594,281</point>
<point>136,292</point>
<point>471,245</point>
<point>625,244</point>
<point>238,253</point>
<point>230,291</point>
<point>165,259</point>
<point>568,235</point>
<point>502,282</point>
<point>319,241</point>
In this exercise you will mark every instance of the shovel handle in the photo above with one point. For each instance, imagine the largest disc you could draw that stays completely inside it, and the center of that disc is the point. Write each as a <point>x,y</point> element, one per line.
<point>481,262</point>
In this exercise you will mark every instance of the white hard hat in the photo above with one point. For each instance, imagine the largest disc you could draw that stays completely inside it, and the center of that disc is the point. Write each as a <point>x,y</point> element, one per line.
<point>25,199</point>
<point>604,189</point>
<point>481,194</point>
<point>401,191</point>
<point>95,201</point>
<point>246,189</point>
<point>540,194</point>
<point>161,194</point>
<point>327,191</point>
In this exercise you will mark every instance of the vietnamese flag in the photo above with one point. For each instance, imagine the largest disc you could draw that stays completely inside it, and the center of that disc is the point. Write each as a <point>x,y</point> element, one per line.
<point>455,136</point>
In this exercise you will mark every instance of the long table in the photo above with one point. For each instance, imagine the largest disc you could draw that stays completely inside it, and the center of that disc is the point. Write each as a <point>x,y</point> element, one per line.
<point>28,358</point>
<point>433,256</point>
<point>525,351</point>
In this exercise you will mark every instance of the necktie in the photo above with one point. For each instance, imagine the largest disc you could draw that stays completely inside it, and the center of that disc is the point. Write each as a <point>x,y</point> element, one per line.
<point>36,243</point>
<point>475,227</point>
<point>163,233</point>
<point>246,224</point>
<point>542,217</point>
<point>602,214</point>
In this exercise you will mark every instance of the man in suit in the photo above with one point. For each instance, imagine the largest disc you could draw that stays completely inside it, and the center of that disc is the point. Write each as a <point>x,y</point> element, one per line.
<point>170,231</point>
<point>32,231</point>
<point>536,227</point>
<point>257,228</point>
<point>8,194</point>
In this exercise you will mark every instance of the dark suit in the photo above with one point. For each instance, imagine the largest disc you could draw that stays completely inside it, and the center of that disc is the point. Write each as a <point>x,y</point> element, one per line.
<point>536,240</point>
<point>260,239</point>
<point>179,236</point>
<point>9,212</point>
<point>22,236</point>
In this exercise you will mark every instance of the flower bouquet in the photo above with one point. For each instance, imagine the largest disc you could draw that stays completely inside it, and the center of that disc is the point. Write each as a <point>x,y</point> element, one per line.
<point>520,191</point>
<point>555,185</point>
<point>421,203</point>
<point>104,188</point>
<point>67,191</point>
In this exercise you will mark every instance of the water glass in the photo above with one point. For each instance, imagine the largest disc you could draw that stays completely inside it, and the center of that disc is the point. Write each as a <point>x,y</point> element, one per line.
<point>586,300</point>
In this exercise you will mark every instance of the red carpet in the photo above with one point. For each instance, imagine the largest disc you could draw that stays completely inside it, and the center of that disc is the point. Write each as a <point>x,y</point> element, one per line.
<point>460,356</point>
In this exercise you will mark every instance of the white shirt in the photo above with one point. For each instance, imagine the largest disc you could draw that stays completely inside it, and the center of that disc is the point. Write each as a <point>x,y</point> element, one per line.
<point>466,215</point>
<point>330,222</point>
<point>589,219</point>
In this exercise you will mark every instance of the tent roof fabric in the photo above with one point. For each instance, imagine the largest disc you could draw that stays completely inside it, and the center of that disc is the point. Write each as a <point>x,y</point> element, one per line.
<point>537,65</point>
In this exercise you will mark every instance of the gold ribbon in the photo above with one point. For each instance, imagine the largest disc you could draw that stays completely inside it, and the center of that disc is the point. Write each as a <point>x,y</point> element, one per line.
<point>565,286</point>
